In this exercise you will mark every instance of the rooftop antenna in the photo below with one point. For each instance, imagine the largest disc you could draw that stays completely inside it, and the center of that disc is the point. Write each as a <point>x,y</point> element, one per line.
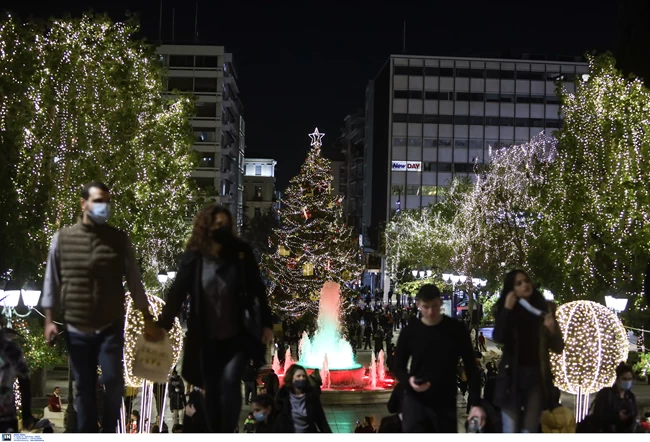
<point>173,23</point>
<point>196,22</point>
<point>404,39</point>
<point>160,23</point>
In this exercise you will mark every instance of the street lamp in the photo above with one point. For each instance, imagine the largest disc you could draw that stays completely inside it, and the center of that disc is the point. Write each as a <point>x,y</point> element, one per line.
<point>10,294</point>
<point>162,277</point>
<point>616,304</point>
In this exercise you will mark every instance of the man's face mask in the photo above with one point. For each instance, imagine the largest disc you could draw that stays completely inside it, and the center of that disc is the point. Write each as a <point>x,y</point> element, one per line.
<point>99,213</point>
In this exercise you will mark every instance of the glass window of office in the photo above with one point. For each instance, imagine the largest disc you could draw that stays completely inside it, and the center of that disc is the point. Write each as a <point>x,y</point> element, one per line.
<point>207,160</point>
<point>258,170</point>
<point>206,110</point>
<point>202,84</point>
<point>207,61</point>
<point>183,84</point>
<point>258,212</point>
<point>181,61</point>
<point>205,134</point>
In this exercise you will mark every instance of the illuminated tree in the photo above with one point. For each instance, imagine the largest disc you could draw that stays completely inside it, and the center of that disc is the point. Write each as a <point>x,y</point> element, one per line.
<point>82,101</point>
<point>312,244</point>
<point>496,223</point>
<point>597,200</point>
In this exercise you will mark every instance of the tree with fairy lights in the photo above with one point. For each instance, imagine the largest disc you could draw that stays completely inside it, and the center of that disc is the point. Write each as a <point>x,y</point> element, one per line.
<point>596,214</point>
<point>312,244</point>
<point>83,101</point>
<point>495,227</point>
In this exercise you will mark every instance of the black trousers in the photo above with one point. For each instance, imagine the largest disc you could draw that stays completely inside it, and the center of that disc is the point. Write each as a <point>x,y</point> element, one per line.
<point>423,417</point>
<point>223,364</point>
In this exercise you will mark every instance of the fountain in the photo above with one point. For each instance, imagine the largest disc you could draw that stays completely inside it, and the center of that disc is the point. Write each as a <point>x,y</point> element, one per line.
<point>344,379</point>
<point>373,371</point>
<point>288,362</point>
<point>276,362</point>
<point>325,375</point>
<point>381,366</point>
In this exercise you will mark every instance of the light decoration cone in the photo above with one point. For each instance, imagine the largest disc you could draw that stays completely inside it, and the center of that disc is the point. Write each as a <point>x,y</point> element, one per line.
<point>595,343</point>
<point>134,327</point>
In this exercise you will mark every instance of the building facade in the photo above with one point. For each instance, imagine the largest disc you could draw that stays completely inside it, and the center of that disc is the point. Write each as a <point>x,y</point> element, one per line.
<point>430,119</point>
<point>209,74</point>
<point>259,187</point>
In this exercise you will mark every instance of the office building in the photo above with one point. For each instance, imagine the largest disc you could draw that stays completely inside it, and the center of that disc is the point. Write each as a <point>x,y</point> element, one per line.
<point>259,187</point>
<point>430,119</point>
<point>209,74</point>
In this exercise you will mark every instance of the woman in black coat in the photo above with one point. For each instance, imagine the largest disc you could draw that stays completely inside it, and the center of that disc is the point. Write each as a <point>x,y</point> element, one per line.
<point>299,406</point>
<point>528,330</point>
<point>229,321</point>
<point>615,408</point>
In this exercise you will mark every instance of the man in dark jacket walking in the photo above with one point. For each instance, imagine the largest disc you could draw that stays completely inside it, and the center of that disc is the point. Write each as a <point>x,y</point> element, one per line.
<point>368,335</point>
<point>176,397</point>
<point>90,259</point>
<point>249,378</point>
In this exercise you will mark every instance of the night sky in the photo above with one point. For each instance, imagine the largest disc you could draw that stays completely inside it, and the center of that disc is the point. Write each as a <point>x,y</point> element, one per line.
<point>307,64</point>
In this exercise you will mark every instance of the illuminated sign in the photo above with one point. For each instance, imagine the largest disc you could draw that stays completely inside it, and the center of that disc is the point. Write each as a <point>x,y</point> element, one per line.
<point>408,166</point>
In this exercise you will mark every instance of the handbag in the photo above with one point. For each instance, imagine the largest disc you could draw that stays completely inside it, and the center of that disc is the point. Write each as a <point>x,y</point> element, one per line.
<point>153,360</point>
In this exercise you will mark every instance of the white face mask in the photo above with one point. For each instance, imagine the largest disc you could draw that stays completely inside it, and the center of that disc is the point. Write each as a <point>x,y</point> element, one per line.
<point>525,304</point>
<point>100,213</point>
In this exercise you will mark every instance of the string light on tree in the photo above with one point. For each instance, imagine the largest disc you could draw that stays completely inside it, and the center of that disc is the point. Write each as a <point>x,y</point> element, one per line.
<point>595,343</point>
<point>313,233</point>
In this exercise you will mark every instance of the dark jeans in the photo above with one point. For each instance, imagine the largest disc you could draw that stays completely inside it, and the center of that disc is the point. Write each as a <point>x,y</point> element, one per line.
<point>420,417</point>
<point>86,351</point>
<point>249,390</point>
<point>223,364</point>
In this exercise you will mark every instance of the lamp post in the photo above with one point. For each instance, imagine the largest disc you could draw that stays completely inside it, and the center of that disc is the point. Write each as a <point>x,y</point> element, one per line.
<point>616,304</point>
<point>10,295</point>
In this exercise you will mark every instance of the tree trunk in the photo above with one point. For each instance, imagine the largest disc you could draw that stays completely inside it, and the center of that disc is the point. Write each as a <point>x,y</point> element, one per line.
<point>37,379</point>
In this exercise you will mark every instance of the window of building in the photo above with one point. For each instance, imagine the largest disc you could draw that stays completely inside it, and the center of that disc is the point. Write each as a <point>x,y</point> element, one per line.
<point>408,70</point>
<point>415,141</point>
<point>412,190</point>
<point>181,61</point>
<point>257,194</point>
<point>205,84</point>
<point>429,166</point>
<point>461,119</point>
<point>444,142</point>
<point>207,160</point>
<point>408,94</point>
<point>492,98</point>
<point>553,123</point>
<point>464,96</point>
<point>477,120</point>
<point>183,84</point>
<point>399,142</point>
<point>446,72</point>
<point>463,167</point>
<point>207,61</point>
<point>429,142</point>
<point>439,95</point>
<point>430,71</point>
<point>460,143</point>
<point>444,167</point>
<point>205,134</point>
<point>258,170</point>
<point>258,212</point>
<point>429,190</point>
<point>525,75</point>
<point>206,110</point>
<point>552,99</point>
<point>397,190</point>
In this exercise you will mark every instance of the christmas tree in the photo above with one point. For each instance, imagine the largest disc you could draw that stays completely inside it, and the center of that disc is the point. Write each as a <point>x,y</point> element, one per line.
<point>312,244</point>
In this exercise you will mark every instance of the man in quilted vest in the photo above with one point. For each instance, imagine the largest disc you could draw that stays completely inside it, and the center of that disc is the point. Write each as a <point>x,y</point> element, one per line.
<point>86,266</point>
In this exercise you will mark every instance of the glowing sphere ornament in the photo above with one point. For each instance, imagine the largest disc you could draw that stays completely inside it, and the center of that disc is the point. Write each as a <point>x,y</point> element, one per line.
<point>134,327</point>
<point>595,343</point>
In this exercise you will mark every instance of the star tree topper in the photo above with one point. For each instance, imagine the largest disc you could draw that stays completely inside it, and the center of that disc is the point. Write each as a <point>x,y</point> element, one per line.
<point>316,138</point>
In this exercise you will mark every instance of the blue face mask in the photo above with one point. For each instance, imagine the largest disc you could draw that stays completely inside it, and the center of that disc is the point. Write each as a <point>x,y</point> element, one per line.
<point>100,213</point>
<point>259,417</point>
<point>625,385</point>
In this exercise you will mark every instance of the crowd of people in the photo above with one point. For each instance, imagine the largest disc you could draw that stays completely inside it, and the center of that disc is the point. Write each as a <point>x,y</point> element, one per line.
<point>229,326</point>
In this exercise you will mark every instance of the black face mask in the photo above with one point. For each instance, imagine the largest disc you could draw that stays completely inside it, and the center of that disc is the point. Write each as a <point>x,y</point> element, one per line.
<point>222,235</point>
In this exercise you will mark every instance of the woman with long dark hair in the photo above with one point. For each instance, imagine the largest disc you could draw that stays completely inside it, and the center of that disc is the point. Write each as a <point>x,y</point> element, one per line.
<point>229,321</point>
<point>299,406</point>
<point>528,330</point>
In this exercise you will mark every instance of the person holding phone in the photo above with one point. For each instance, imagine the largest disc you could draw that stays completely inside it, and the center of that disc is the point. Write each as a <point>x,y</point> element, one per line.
<point>615,409</point>
<point>434,345</point>
<point>527,328</point>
